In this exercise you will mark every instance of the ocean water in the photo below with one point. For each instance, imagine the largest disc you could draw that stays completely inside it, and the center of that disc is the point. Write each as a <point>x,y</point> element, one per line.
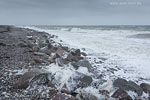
<point>125,49</point>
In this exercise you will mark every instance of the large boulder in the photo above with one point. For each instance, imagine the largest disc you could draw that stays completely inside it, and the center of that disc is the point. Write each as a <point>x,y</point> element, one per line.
<point>72,58</point>
<point>43,79</point>
<point>61,53</point>
<point>120,94</point>
<point>23,82</point>
<point>76,52</point>
<point>145,87</point>
<point>78,80</point>
<point>128,85</point>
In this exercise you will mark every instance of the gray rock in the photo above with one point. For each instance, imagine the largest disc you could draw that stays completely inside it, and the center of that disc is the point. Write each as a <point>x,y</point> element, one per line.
<point>120,83</point>
<point>43,79</point>
<point>78,80</point>
<point>71,58</point>
<point>23,82</point>
<point>41,54</point>
<point>77,52</point>
<point>61,53</point>
<point>82,63</point>
<point>21,44</point>
<point>145,87</point>
<point>121,95</point>
<point>136,88</point>
<point>2,44</point>
<point>88,96</point>
<point>128,85</point>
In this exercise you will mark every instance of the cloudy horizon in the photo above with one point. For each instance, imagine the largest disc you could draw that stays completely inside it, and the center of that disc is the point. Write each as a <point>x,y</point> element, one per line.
<point>75,12</point>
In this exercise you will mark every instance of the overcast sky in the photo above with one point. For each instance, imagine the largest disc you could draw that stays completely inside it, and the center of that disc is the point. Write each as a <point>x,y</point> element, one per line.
<point>75,12</point>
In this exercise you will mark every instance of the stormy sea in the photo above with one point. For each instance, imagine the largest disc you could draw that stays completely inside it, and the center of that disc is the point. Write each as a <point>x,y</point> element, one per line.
<point>113,51</point>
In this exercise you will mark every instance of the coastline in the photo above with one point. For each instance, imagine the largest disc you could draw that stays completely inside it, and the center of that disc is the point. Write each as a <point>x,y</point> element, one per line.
<point>16,41</point>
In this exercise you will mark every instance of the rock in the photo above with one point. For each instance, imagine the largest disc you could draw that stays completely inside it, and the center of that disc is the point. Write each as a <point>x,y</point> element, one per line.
<point>83,53</point>
<point>43,49</point>
<point>120,83</point>
<point>61,53</point>
<point>2,44</point>
<point>104,92</point>
<point>42,43</point>
<point>52,93</point>
<point>98,83</point>
<point>41,54</point>
<point>43,79</point>
<point>82,63</point>
<point>52,60</point>
<point>35,49</point>
<point>145,87</point>
<point>38,60</point>
<point>63,96</point>
<point>136,88</point>
<point>71,58</point>
<point>49,46</point>
<point>23,82</point>
<point>77,52</point>
<point>78,80</point>
<point>21,44</point>
<point>40,79</point>
<point>128,85</point>
<point>121,95</point>
<point>61,61</point>
<point>88,96</point>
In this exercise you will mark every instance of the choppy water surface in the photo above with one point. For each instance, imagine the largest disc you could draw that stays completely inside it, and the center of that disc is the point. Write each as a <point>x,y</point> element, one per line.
<point>126,48</point>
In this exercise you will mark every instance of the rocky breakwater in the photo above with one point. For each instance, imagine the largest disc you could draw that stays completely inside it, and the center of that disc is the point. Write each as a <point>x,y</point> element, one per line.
<point>24,57</point>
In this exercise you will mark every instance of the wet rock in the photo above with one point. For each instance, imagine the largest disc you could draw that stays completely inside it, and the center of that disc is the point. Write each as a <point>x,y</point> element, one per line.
<point>43,79</point>
<point>61,53</point>
<point>104,92</point>
<point>21,44</point>
<point>78,80</point>
<point>145,87</point>
<point>71,58</point>
<point>121,95</point>
<point>23,82</point>
<point>136,88</point>
<point>128,85</point>
<point>61,61</point>
<point>52,93</point>
<point>63,96</point>
<point>98,83</point>
<point>87,96</point>
<point>82,63</point>
<point>83,53</point>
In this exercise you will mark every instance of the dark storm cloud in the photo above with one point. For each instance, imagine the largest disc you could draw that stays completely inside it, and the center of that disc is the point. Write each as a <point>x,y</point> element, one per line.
<point>74,12</point>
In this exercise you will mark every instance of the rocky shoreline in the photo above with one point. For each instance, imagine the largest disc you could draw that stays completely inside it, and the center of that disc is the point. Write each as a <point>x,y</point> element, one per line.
<point>24,56</point>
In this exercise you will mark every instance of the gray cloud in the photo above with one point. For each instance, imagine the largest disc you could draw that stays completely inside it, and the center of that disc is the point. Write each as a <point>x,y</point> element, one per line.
<point>79,12</point>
